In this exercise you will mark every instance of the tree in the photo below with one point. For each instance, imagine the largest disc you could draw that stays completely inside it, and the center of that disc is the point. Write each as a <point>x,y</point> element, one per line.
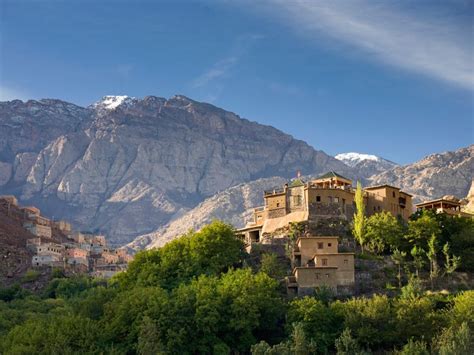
<point>148,338</point>
<point>421,229</point>
<point>398,258</point>
<point>413,347</point>
<point>346,344</point>
<point>454,340</point>
<point>433,258</point>
<point>418,255</point>
<point>359,222</point>
<point>383,231</point>
<point>271,266</point>
<point>320,322</point>
<point>451,262</point>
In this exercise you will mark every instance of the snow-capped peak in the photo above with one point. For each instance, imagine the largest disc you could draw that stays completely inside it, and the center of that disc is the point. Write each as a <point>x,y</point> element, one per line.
<point>111,102</point>
<point>356,157</point>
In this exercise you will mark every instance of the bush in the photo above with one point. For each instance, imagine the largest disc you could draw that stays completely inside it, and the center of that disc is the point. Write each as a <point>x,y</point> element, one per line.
<point>30,275</point>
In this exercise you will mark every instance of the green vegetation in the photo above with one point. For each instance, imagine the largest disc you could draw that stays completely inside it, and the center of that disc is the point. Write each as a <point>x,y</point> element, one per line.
<point>195,296</point>
<point>359,222</point>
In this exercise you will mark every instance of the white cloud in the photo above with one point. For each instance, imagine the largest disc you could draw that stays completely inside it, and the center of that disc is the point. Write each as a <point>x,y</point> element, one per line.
<point>431,44</point>
<point>8,94</point>
<point>223,67</point>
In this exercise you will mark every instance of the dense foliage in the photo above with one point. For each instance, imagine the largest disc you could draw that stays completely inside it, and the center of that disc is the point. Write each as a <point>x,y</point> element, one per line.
<point>194,296</point>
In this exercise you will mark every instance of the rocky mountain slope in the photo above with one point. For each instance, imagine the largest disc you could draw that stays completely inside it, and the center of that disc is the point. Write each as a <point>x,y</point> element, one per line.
<point>366,164</point>
<point>448,173</point>
<point>128,166</point>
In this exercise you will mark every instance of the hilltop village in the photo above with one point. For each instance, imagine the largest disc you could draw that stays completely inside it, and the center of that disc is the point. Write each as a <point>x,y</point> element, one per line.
<point>54,244</point>
<point>313,218</point>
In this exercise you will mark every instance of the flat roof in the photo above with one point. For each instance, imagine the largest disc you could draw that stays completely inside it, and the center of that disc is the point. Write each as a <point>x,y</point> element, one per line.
<point>375,187</point>
<point>437,201</point>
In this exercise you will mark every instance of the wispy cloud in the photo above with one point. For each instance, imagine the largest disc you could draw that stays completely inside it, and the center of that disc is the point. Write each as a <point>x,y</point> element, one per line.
<point>8,94</point>
<point>222,68</point>
<point>432,44</point>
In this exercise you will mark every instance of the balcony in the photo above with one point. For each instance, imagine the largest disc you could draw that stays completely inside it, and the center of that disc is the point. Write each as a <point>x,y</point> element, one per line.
<point>402,201</point>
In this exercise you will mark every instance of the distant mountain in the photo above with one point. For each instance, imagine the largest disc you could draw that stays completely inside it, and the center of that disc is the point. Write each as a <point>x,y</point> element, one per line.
<point>366,165</point>
<point>126,166</point>
<point>448,173</point>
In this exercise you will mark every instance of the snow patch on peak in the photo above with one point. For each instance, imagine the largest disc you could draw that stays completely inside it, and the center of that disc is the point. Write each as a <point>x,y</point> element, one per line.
<point>111,102</point>
<point>356,157</point>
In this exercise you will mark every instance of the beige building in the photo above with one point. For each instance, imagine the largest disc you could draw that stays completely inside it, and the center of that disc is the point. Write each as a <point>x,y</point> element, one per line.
<point>390,199</point>
<point>318,262</point>
<point>330,195</point>
<point>447,204</point>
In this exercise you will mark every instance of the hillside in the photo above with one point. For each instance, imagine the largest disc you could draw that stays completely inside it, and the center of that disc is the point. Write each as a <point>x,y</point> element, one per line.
<point>127,166</point>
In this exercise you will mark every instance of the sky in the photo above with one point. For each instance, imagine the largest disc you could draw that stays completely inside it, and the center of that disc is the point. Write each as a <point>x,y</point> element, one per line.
<point>394,79</point>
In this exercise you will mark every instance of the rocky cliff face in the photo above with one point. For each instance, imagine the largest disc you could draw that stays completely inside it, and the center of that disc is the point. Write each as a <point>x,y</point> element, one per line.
<point>127,166</point>
<point>448,173</point>
<point>27,127</point>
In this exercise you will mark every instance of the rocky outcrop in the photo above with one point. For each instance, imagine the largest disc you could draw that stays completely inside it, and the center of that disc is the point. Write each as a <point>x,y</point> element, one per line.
<point>448,173</point>
<point>128,166</point>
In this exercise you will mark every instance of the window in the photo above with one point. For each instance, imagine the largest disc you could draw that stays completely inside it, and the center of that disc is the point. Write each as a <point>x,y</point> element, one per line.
<point>318,198</point>
<point>320,245</point>
<point>346,261</point>
<point>329,244</point>
<point>336,199</point>
<point>317,276</point>
<point>393,193</point>
<point>278,204</point>
<point>327,276</point>
<point>325,262</point>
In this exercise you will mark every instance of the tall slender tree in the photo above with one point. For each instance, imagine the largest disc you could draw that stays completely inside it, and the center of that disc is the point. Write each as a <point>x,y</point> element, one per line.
<point>359,222</point>
<point>433,257</point>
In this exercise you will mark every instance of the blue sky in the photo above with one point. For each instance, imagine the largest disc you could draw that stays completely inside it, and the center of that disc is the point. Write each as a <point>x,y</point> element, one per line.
<point>389,78</point>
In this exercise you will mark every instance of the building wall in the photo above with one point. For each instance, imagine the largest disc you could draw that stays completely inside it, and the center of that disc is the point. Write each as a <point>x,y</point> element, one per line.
<point>39,230</point>
<point>344,262</point>
<point>315,276</point>
<point>386,198</point>
<point>343,199</point>
<point>296,200</point>
<point>310,246</point>
<point>277,201</point>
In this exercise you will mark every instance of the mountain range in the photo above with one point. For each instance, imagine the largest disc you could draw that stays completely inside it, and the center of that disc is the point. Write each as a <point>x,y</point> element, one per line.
<point>151,167</point>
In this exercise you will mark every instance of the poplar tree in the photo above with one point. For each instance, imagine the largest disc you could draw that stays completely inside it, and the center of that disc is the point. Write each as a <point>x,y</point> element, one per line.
<point>358,229</point>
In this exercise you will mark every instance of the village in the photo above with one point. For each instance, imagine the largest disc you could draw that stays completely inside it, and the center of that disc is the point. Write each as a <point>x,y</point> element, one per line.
<point>310,223</point>
<point>55,244</point>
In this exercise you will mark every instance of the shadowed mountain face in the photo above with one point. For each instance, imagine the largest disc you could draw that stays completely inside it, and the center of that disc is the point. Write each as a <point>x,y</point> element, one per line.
<point>128,166</point>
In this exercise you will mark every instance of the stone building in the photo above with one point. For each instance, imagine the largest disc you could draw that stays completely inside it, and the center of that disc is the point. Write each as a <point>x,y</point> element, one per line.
<point>35,223</point>
<point>317,262</point>
<point>448,204</point>
<point>329,196</point>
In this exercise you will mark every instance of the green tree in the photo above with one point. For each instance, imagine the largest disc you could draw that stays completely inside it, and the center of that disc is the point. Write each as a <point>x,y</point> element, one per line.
<point>383,231</point>
<point>451,262</point>
<point>398,258</point>
<point>418,256</point>
<point>149,338</point>
<point>421,229</point>
<point>347,345</point>
<point>320,322</point>
<point>455,340</point>
<point>271,266</point>
<point>359,222</point>
<point>433,258</point>
<point>414,347</point>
